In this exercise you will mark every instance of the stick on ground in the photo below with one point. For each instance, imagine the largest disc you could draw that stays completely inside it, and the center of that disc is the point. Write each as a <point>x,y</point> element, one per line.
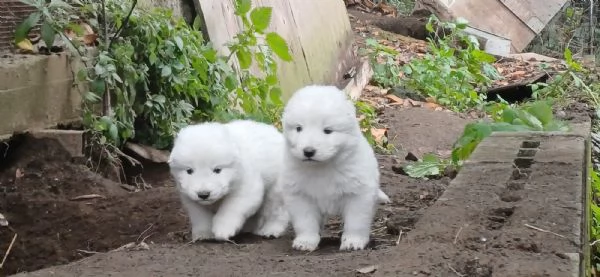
<point>8,250</point>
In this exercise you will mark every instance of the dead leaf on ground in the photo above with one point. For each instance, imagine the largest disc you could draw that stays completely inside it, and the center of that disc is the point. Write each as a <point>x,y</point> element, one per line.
<point>90,39</point>
<point>379,134</point>
<point>25,45</point>
<point>431,105</point>
<point>395,98</point>
<point>3,221</point>
<point>367,269</point>
<point>19,173</point>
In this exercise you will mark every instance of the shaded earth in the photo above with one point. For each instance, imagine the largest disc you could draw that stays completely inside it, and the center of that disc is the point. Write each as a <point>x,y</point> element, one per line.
<point>416,235</point>
<point>39,184</point>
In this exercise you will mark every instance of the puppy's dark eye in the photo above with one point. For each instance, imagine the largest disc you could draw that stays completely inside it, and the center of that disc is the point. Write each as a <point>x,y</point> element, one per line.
<point>217,170</point>
<point>327,131</point>
<point>299,129</point>
<point>189,171</point>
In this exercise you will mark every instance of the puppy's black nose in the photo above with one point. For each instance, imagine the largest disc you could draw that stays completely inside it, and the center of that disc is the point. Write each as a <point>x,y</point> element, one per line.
<point>203,195</point>
<point>309,152</point>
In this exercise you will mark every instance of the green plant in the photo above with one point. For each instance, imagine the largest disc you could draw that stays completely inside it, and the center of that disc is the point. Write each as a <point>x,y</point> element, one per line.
<point>259,98</point>
<point>367,119</point>
<point>161,75</point>
<point>53,16</point>
<point>386,70</point>
<point>569,81</point>
<point>453,68</point>
<point>595,218</point>
<point>534,116</point>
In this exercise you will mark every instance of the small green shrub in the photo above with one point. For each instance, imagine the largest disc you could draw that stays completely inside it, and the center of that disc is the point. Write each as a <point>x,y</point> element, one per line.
<point>534,116</point>
<point>453,68</point>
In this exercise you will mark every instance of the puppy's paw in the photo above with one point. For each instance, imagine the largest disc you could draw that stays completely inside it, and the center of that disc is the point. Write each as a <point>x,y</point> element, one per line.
<point>273,230</point>
<point>223,232</point>
<point>306,243</point>
<point>201,235</point>
<point>353,242</point>
<point>383,198</point>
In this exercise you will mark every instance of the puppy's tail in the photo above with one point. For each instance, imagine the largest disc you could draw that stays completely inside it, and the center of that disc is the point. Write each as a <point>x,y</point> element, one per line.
<point>383,198</point>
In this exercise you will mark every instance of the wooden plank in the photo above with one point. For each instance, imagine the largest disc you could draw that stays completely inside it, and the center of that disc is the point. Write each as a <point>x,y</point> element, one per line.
<point>501,21</point>
<point>534,13</point>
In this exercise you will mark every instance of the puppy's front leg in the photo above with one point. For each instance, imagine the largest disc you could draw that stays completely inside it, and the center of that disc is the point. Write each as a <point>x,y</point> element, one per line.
<point>235,210</point>
<point>306,221</point>
<point>200,219</point>
<point>358,215</point>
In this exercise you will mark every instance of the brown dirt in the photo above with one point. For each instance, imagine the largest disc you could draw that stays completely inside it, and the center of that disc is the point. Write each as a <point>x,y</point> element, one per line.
<point>54,230</point>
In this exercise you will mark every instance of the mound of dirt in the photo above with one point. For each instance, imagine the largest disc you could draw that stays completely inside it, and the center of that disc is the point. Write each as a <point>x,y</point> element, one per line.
<point>62,211</point>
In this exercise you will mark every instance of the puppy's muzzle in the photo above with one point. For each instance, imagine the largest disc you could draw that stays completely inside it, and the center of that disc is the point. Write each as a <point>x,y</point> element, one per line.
<point>309,152</point>
<point>203,195</point>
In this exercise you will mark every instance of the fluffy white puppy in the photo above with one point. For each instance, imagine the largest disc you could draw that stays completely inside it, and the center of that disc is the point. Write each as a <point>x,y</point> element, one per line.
<point>329,168</point>
<point>227,178</point>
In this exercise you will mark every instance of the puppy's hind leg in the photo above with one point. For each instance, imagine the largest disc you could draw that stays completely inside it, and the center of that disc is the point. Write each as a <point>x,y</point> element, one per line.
<point>273,218</point>
<point>200,219</point>
<point>358,215</point>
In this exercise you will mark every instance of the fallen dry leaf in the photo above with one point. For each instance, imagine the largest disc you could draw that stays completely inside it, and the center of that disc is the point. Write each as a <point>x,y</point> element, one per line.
<point>379,134</point>
<point>90,39</point>
<point>367,269</point>
<point>25,45</point>
<point>430,105</point>
<point>395,98</point>
<point>19,173</point>
<point>3,221</point>
<point>87,29</point>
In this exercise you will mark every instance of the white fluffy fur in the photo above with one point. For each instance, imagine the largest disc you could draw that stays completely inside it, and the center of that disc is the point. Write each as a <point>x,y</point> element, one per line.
<point>342,178</point>
<point>238,163</point>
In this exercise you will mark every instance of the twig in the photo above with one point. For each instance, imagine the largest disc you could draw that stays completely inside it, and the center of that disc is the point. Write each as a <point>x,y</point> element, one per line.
<point>147,229</point>
<point>457,234</point>
<point>455,271</point>
<point>88,251</point>
<point>543,230</point>
<point>399,237</point>
<point>125,21</point>
<point>594,242</point>
<point>87,197</point>
<point>8,250</point>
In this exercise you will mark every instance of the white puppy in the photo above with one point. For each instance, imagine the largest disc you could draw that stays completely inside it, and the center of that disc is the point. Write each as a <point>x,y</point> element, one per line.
<point>227,178</point>
<point>329,168</point>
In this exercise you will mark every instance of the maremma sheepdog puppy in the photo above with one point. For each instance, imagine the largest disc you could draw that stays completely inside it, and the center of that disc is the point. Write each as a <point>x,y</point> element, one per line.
<point>329,168</point>
<point>226,175</point>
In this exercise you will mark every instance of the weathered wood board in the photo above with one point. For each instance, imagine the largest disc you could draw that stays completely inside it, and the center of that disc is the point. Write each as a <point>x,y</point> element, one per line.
<point>318,33</point>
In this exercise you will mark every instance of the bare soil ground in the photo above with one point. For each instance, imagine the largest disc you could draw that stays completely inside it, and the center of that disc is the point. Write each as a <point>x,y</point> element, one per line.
<point>39,185</point>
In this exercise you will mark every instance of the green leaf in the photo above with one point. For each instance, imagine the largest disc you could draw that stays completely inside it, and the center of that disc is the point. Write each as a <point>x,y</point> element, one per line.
<point>279,46</point>
<point>568,55</point>
<point>48,35</point>
<point>430,165</point>
<point>242,6</point>
<point>179,43</point>
<point>542,111</point>
<point>244,57</point>
<point>166,71</point>
<point>23,29</point>
<point>461,23</point>
<point>483,56</point>
<point>113,131</point>
<point>261,18</point>
<point>197,23</point>
<point>275,96</point>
